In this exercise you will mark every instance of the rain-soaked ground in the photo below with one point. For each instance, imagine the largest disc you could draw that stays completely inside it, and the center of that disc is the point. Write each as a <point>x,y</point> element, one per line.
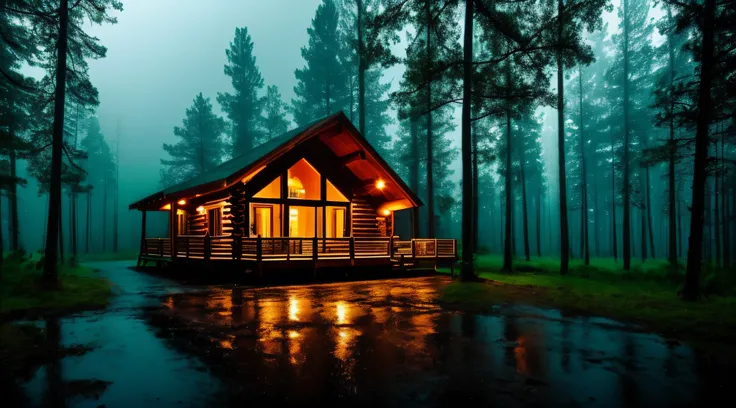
<point>379,343</point>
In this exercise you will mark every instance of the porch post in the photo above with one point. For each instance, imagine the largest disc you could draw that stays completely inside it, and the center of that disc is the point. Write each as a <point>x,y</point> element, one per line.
<point>173,232</point>
<point>143,238</point>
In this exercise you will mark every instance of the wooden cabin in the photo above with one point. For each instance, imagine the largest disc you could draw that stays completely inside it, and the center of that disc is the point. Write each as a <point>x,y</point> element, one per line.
<point>316,196</point>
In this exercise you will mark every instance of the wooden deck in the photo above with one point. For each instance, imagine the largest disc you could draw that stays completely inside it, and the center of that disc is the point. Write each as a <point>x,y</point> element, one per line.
<point>274,253</point>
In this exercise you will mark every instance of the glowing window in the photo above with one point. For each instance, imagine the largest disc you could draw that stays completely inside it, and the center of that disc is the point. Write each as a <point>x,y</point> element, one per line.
<point>333,194</point>
<point>273,190</point>
<point>304,181</point>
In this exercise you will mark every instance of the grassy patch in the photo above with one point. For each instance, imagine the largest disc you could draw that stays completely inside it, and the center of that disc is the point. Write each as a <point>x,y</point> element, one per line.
<point>647,295</point>
<point>20,292</point>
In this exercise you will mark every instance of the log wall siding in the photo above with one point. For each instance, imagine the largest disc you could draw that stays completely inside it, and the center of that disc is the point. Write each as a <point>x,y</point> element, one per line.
<point>197,223</point>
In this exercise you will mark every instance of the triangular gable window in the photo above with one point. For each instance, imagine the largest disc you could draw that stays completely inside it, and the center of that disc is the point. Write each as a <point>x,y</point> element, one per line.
<point>272,190</point>
<point>333,194</point>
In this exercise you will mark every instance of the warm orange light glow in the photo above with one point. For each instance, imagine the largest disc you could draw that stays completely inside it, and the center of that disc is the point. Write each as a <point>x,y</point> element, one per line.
<point>181,202</point>
<point>386,212</point>
<point>200,209</point>
<point>293,309</point>
<point>380,184</point>
<point>166,207</point>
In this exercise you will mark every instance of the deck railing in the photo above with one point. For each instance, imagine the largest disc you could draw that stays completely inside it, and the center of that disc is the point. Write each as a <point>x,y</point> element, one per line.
<point>287,249</point>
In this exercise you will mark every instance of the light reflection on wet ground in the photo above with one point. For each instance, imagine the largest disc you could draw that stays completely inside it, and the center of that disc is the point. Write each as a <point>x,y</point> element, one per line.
<point>388,342</point>
<point>383,342</point>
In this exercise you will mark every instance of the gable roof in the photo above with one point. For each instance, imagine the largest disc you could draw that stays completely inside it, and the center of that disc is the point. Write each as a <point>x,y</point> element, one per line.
<point>224,174</point>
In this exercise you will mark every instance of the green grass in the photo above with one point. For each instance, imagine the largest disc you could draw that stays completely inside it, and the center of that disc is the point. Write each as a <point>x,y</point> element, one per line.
<point>80,288</point>
<point>646,295</point>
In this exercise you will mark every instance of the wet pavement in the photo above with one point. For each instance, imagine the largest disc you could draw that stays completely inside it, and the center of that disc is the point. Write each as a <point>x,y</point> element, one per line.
<point>381,342</point>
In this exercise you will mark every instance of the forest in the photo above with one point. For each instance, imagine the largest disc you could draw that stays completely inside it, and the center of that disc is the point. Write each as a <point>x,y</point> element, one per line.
<point>573,130</point>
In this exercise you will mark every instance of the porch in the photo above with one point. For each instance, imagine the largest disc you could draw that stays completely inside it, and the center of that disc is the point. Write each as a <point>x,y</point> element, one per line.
<point>258,253</point>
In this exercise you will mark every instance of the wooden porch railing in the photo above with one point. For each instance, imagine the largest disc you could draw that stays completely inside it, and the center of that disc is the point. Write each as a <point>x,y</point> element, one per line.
<point>287,249</point>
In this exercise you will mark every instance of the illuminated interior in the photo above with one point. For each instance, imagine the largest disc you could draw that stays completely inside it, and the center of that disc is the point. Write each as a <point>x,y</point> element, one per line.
<point>272,190</point>
<point>304,181</point>
<point>333,194</point>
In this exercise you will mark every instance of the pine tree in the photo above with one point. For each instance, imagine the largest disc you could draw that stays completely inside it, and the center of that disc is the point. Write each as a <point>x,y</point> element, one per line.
<point>201,146</point>
<point>322,85</point>
<point>274,117</point>
<point>243,106</point>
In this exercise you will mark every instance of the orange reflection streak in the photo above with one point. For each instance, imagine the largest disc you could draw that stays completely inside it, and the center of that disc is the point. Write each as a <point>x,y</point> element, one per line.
<point>343,342</point>
<point>520,355</point>
<point>293,309</point>
<point>342,309</point>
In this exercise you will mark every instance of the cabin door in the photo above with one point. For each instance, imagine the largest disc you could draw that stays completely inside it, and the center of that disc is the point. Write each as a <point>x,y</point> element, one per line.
<point>263,221</point>
<point>336,222</point>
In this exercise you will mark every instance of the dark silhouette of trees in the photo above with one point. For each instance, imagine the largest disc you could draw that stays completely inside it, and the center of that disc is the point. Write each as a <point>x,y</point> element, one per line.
<point>244,105</point>
<point>201,146</point>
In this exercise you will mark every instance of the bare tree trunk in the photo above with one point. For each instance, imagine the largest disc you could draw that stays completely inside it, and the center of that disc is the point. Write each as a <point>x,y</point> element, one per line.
<point>679,228</point>
<point>61,235</point>
<point>467,272</point>
<point>525,218</point>
<point>585,250</point>
<point>430,141</point>
<point>539,220</point>
<point>691,290</point>
<point>414,172</point>
<point>673,233</point>
<point>2,244</point>
<point>73,220</point>
<point>474,223</point>
<point>649,214</point>
<point>613,203</point>
<point>626,186</point>
<point>717,213</point>
<point>104,213</point>
<point>564,235</point>
<point>50,269</point>
<point>724,212</point>
<point>507,243</point>
<point>361,70</point>
<point>87,226</point>
<point>13,198</point>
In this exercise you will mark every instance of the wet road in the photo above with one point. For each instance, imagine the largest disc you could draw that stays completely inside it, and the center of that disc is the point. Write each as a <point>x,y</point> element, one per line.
<point>383,342</point>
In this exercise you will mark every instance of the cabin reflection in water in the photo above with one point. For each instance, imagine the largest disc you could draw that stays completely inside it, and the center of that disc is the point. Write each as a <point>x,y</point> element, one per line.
<point>317,196</point>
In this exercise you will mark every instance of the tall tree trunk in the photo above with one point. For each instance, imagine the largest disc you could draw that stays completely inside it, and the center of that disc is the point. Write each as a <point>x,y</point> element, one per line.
<point>87,226</point>
<point>430,141</point>
<point>539,220</point>
<point>525,218</point>
<point>361,71</point>
<point>2,244</point>
<point>116,201</point>
<point>61,235</point>
<point>626,185</point>
<point>45,222</point>
<point>596,219</point>
<point>13,198</point>
<point>507,243</point>
<point>691,290</point>
<point>679,228</point>
<point>613,203</point>
<point>724,212</point>
<point>564,235</point>
<point>73,220</point>
<point>585,250</point>
<point>474,223</point>
<point>104,213</point>
<point>414,171</point>
<point>467,272</point>
<point>50,268</point>
<point>717,213</point>
<point>648,193</point>
<point>672,149</point>
<point>643,216</point>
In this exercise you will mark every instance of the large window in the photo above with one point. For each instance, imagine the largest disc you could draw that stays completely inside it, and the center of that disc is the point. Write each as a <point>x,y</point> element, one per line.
<point>333,194</point>
<point>335,222</point>
<point>304,181</point>
<point>265,220</point>
<point>301,222</point>
<point>272,190</point>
